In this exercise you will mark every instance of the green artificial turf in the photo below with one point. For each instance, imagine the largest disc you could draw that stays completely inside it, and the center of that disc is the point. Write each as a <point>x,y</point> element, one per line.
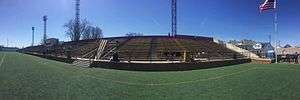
<point>25,77</point>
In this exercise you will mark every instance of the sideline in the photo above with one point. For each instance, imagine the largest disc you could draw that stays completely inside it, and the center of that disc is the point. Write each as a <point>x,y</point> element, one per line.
<point>176,83</point>
<point>2,60</point>
<point>281,69</point>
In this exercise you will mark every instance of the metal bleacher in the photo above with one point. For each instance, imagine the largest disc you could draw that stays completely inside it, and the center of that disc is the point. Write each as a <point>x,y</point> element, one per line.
<point>140,48</point>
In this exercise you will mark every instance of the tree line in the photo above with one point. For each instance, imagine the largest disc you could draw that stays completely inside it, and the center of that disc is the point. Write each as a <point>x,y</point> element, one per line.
<point>84,31</point>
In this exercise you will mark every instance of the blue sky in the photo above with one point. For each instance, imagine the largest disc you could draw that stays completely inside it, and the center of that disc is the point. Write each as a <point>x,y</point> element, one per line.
<point>222,19</point>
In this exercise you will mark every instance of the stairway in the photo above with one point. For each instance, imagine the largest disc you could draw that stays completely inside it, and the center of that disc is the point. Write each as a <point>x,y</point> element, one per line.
<point>110,50</point>
<point>82,63</point>
<point>101,49</point>
<point>152,51</point>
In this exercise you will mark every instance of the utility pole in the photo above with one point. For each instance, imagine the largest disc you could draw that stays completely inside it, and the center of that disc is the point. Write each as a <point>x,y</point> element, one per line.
<point>276,30</point>
<point>174,18</point>
<point>270,38</point>
<point>7,43</point>
<point>45,18</point>
<point>32,36</point>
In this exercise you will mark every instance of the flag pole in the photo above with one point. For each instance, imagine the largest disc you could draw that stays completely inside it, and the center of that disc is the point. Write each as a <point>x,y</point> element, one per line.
<point>276,29</point>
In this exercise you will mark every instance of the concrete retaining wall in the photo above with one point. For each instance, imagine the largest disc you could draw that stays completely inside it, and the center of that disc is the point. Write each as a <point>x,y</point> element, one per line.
<point>154,66</point>
<point>168,67</point>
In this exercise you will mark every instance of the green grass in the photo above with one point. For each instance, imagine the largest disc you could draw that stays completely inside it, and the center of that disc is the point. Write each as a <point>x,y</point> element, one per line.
<point>31,78</point>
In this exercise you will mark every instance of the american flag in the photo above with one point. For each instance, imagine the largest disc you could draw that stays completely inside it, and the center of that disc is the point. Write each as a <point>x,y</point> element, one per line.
<point>268,4</point>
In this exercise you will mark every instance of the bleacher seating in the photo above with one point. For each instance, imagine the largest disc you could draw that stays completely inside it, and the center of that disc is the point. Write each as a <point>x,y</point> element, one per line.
<point>142,48</point>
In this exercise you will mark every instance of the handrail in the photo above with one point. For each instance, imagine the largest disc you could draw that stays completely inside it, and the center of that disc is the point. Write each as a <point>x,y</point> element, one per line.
<point>89,52</point>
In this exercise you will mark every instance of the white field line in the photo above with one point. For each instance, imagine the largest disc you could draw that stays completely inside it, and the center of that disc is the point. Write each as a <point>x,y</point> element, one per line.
<point>266,68</point>
<point>2,60</point>
<point>176,83</point>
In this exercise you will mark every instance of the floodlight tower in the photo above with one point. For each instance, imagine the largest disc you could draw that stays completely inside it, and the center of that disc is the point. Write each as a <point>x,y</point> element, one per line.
<point>77,20</point>
<point>174,18</point>
<point>33,28</point>
<point>45,18</point>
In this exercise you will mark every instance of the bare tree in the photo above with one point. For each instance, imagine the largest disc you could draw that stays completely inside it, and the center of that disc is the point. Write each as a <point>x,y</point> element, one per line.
<point>72,29</point>
<point>92,33</point>
<point>97,33</point>
<point>87,33</point>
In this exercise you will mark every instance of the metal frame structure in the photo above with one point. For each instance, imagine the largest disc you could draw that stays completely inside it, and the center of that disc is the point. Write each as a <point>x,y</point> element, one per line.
<point>77,20</point>
<point>45,18</point>
<point>174,18</point>
<point>33,28</point>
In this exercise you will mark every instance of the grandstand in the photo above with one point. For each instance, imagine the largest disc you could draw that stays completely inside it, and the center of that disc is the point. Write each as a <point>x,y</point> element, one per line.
<point>8,49</point>
<point>140,49</point>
